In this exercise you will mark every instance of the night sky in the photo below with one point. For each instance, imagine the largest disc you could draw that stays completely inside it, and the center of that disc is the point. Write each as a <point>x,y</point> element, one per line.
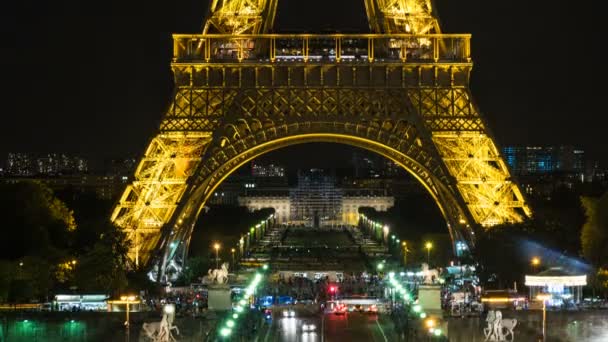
<point>93,78</point>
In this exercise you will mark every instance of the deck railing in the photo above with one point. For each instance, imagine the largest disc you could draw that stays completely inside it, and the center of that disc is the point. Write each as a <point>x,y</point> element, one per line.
<point>321,48</point>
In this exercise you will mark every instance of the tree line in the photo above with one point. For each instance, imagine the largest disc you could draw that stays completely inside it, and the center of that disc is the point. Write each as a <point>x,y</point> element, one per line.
<point>57,243</point>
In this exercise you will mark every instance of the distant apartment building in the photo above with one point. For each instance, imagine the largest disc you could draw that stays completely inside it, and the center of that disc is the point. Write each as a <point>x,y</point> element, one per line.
<point>61,171</point>
<point>267,170</point>
<point>370,165</point>
<point>262,176</point>
<point>530,160</point>
<point>51,164</point>
<point>105,187</point>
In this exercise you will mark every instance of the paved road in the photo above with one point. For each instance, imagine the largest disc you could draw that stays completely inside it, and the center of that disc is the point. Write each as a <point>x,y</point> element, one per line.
<point>329,327</point>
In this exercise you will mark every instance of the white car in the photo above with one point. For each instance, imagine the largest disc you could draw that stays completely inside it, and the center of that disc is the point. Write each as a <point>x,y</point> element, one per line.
<point>308,327</point>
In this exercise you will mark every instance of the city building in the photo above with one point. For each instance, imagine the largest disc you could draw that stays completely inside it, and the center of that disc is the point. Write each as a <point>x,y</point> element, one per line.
<point>526,160</point>
<point>268,170</point>
<point>51,164</point>
<point>121,167</point>
<point>247,182</point>
<point>371,165</point>
<point>20,164</point>
<point>105,187</point>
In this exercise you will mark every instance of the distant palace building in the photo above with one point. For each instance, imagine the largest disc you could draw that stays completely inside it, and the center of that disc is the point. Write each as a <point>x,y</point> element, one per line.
<point>316,200</point>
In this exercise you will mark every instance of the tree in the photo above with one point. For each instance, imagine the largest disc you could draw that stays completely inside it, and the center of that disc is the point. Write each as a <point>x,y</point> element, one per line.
<point>35,222</point>
<point>103,267</point>
<point>594,235</point>
<point>195,268</point>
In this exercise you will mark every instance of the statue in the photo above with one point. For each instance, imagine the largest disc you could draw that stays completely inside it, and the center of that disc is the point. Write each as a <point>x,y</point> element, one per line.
<point>497,325</point>
<point>161,331</point>
<point>218,275</point>
<point>430,276</point>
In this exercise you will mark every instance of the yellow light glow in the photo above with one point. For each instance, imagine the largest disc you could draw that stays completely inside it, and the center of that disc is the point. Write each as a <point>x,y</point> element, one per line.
<point>430,323</point>
<point>543,296</point>
<point>428,245</point>
<point>216,246</point>
<point>536,261</point>
<point>502,299</point>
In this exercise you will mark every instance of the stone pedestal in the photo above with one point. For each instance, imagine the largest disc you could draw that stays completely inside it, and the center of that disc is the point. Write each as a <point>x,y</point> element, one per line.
<point>429,298</point>
<point>218,298</point>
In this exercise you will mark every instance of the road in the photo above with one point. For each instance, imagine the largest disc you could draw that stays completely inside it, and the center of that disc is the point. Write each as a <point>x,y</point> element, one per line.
<point>329,327</point>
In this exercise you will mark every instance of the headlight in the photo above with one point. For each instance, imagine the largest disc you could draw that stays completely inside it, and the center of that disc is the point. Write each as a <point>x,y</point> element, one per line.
<point>285,314</point>
<point>292,313</point>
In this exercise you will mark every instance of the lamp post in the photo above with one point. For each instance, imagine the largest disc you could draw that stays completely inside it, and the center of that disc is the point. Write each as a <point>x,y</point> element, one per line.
<point>216,246</point>
<point>405,251</point>
<point>232,251</point>
<point>128,299</point>
<point>428,246</point>
<point>544,297</point>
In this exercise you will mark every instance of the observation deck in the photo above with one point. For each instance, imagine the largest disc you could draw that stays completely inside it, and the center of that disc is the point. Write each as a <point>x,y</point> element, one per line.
<point>322,48</point>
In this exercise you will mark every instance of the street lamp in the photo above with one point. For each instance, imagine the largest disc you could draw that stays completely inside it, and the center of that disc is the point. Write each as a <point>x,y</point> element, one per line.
<point>128,299</point>
<point>535,262</point>
<point>544,297</point>
<point>216,246</point>
<point>405,251</point>
<point>428,246</point>
<point>232,250</point>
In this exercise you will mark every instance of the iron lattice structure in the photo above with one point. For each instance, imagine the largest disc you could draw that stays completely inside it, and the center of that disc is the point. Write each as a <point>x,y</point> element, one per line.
<point>402,91</point>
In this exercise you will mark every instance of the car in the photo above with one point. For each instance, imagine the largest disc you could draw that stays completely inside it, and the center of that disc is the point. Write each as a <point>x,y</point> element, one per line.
<point>308,327</point>
<point>339,309</point>
<point>288,313</point>
<point>305,301</point>
<point>372,309</point>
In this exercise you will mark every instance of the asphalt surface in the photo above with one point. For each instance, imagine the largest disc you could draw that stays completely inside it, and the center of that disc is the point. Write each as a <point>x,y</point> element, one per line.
<point>329,327</point>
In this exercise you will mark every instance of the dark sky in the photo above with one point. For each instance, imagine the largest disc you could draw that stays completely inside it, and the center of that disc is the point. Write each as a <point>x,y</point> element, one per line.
<point>92,77</point>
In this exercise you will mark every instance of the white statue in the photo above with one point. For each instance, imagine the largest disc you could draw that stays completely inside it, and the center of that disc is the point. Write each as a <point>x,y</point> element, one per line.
<point>509,324</point>
<point>160,331</point>
<point>489,330</point>
<point>218,275</point>
<point>497,325</point>
<point>430,276</point>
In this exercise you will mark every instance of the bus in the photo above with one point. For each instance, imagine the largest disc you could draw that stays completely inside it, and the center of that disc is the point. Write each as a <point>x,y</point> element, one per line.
<point>357,304</point>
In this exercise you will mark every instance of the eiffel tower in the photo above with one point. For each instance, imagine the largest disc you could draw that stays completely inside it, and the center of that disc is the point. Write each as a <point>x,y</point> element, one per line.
<point>401,91</point>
